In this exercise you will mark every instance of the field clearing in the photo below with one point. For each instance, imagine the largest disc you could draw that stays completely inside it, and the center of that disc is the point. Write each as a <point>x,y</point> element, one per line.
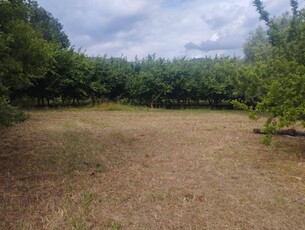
<point>192,169</point>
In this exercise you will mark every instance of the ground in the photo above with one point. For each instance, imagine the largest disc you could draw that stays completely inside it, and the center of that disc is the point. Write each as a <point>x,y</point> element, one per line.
<point>148,169</point>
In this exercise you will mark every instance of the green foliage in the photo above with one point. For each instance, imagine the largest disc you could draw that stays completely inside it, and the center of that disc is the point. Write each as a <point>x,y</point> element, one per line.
<point>10,115</point>
<point>219,83</point>
<point>264,15</point>
<point>284,97</point>
<point>49,27</point>
<point>257,47</point>
<point>266,140</point>
<point>275,85</point>
<point>74,70</point>
<point>158,81</point>
<point>115,106</point>
<point>101,168</point>
<point>250,81</point>
<point>24,56</point>
<point>294,7</point>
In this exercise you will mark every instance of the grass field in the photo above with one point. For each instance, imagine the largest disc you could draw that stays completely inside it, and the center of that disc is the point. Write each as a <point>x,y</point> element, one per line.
<point>143,169</point>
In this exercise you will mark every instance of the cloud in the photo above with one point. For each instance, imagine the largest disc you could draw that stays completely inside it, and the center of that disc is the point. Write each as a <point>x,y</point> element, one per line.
<point>221,16</point>
<point>224,43</point>
<point>168,28</point>
<point>231,25</point>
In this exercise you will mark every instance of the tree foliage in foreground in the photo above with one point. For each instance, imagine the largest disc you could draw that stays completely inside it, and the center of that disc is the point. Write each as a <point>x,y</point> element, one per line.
<point>276,83</point>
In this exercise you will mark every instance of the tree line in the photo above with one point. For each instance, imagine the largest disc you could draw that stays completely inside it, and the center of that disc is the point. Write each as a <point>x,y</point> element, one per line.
<point>38,62</point>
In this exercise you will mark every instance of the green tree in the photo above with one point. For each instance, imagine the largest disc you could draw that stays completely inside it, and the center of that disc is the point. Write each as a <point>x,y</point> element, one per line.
<point>149,83</point>
<point>279,81</point>
<point>97,85</point>
<point>74,70</point>
<point>257,47</point>
<point>24,54</point>
<point>219,81</point>
<point>263,14</point>
<point>50,28</point>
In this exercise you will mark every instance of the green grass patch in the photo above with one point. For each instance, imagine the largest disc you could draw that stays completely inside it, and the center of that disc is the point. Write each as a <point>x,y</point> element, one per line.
<point>100,168</point>
<point>77,218</point>
<point>114,224</point>
<point>112,106</point>
<point>157,196</point>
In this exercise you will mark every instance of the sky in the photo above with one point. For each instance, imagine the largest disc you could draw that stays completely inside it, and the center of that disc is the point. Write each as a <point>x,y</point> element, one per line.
<point>167,28</point>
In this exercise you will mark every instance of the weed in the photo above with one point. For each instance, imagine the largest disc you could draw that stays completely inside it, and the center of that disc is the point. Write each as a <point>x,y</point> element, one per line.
<point>86,199</point>
<point>101,168</point>
<point>117,135</point>
<point>78,220</point>
<point>114,224</point>
<point>266,140</point>
<point>158,196</point>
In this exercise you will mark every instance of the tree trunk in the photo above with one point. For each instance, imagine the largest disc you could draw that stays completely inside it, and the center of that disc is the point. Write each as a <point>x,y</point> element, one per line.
<point>288,132</point>
<point>93,100</point>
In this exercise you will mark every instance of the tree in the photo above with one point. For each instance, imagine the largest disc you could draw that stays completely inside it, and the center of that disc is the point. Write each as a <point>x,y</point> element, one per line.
<point>149,84</point>
<point>24,56</point>
<point>257,47</point>
<point>281,80</point>
<point>219,81</point>
<point>260,8</point>
<point>97,85</point>
<point>74,70</point>
<point>50,28</point>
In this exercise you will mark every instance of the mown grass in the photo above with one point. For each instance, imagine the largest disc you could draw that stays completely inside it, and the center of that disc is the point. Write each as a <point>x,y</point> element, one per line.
<point>130,168</point>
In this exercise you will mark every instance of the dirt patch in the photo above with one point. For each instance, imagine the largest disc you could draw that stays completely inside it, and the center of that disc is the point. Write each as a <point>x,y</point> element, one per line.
<point>148,170</point>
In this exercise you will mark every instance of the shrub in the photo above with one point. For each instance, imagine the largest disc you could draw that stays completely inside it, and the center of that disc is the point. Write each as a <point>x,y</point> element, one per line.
<point>10,115</point>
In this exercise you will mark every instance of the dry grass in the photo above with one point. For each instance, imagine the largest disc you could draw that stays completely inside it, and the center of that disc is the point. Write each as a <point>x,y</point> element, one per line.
<point>94,169</point>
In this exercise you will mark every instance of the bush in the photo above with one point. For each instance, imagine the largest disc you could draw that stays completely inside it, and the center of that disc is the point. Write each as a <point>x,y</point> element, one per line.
<point>10,115</point>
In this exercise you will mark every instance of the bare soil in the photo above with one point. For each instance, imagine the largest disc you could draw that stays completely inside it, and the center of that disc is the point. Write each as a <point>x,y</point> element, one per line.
<point>87,169</point>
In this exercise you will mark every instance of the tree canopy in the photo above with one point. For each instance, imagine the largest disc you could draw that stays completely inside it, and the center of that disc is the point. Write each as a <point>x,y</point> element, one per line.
<point>276,82</point>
